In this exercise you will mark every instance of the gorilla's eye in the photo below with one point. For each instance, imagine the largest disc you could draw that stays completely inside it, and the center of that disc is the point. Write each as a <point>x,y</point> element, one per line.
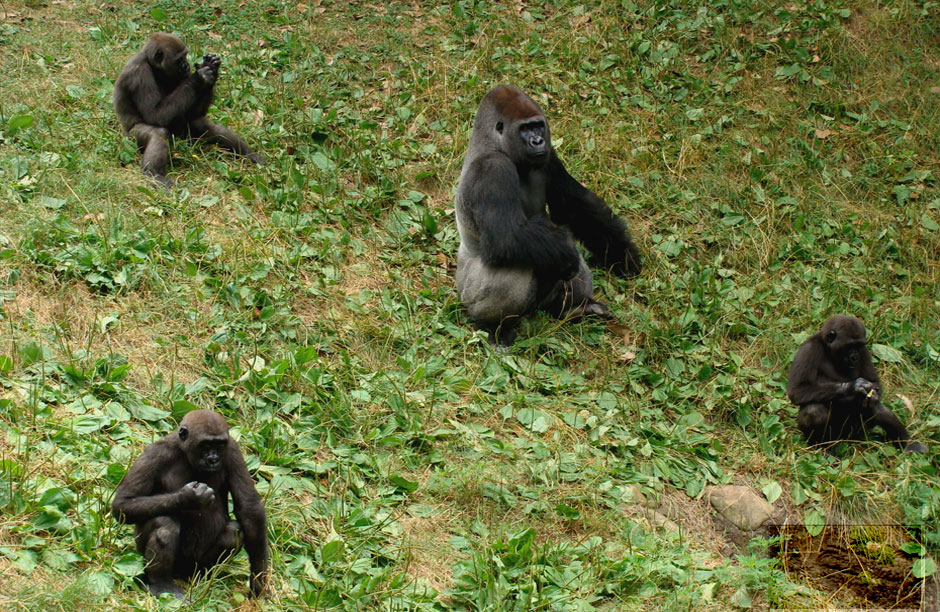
<point>831,336</point>
<point>499,127</point>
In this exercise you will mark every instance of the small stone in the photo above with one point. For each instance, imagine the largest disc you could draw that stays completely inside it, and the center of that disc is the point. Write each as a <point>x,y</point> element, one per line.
<point>658,520</point>
<point>740,506</point>
<point>637,496</point>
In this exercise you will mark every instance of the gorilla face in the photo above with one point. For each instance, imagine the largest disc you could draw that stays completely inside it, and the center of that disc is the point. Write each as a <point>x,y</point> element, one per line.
<point>526,142</point>
<point>168,57</point>
<point>209,455</point>
<point>534,140</point>
<point>204,451</point>
<point>845,337</point>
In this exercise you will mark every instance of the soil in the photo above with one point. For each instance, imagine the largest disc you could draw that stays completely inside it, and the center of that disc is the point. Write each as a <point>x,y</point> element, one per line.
<point>860,566</point>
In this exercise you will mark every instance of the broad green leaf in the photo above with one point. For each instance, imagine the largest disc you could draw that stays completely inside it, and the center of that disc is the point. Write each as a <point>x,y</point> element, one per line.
<point>772,491</point>
<point>403,483</point>
<point>814,521</point>
<point>886,353</point>
<point>332,551</point>
<point>924,567</point>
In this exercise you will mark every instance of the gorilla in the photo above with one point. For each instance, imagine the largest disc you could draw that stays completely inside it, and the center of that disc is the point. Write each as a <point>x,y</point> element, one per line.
<point>176,494</point>
<point>516,257</point>
<point>834,383</point>
<point>157,96</point>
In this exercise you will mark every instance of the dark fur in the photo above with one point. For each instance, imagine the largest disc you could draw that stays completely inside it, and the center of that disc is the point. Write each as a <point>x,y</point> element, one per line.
<point>176,494</point>
<point>519,213</point>
<point>833,381</point>
<point>157,96</point>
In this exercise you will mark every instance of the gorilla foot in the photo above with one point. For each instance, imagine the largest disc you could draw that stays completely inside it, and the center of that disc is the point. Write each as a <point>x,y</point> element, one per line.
<point>257,159</point>
<point>166,585</point>
<point>231,538</point>
<point>598,310</point>
<point>501,339</point>
<point>589,308</point>
<point>160,179</point>
<point>915,447</point>
<point>503,333</point>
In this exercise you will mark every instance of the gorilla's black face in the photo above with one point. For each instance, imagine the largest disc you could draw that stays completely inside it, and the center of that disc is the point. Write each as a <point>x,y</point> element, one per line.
<point>204,451</point>
<point>171,64</point>
<point>526,142</point>
<point>534,139</point>
<point>845,337</point>
<point>210,454</point>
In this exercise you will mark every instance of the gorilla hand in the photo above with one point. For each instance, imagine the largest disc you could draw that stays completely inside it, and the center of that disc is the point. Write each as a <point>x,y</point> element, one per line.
<point>207,74</point>
<point>212,61</point>
<point>197,494</point>
<point>865,388</point>
<point>571,265</point>
<point>562,261</point>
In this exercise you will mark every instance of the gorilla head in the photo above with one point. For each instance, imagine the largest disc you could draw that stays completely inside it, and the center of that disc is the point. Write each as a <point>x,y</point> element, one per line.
<point>517,125</point>
<point>845,338</point>
<point>206,448</point>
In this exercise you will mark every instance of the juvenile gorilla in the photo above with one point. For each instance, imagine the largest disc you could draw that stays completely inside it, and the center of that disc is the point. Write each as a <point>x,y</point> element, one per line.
<point>515,256</point>
<point>176,494</point>
<point>156,96</point>
<point>834,383</point>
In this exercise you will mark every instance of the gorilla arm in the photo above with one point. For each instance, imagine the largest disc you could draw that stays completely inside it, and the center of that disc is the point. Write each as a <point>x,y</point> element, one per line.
<point>249,511</point>
<point>809,382</point>
<point>151,105</point>
<point>134,501</point>
<point>209,68</point>
<point>507,237</point>
<point>603,233</point>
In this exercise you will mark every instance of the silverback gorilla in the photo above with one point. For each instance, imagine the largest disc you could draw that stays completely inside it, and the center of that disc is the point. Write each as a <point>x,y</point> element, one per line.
<point>834,383</point>
<point>515,257</point>
<point>176,494</point>
<point>157,96</point>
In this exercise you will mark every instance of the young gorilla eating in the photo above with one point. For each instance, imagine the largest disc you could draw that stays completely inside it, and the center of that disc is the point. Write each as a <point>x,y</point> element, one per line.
<point>157,96</point>
<point>176,494</point>
<point>515,256</point>
<point>834,383</point>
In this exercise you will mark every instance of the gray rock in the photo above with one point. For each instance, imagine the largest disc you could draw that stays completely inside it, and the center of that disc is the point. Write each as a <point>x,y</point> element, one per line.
<point>740,506</point>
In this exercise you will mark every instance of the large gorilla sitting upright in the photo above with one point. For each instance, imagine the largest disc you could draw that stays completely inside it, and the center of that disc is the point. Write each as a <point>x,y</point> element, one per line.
<point>515,257</point>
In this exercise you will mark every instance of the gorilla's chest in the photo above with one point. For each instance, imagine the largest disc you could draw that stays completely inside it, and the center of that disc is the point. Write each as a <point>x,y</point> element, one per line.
<point>177,476</point>
<point>533,185</point>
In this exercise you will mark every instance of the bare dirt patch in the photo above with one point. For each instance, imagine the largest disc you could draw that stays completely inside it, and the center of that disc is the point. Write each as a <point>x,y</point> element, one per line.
<point>862,566</point>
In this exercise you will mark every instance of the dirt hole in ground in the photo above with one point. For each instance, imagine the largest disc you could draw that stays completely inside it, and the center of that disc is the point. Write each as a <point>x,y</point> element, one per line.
<point>858,566</point>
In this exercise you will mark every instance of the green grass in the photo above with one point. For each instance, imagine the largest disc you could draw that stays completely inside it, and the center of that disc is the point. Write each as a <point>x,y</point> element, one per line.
<point>776,162</point>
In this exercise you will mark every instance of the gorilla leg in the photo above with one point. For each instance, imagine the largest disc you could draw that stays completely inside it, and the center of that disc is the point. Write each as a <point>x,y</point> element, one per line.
<point>204,129</point>
<point>894,429</point>
<point>154,142</point>
<point>573,298</point>
<point>813,421</point>
<point>495,298</point>
<point>158,540</point>
<point>227,543</point>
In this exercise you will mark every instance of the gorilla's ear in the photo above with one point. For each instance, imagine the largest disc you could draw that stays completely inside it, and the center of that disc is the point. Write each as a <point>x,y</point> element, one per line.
<point>499,127</point>
<point>158,56</point>
<point>183,433</point>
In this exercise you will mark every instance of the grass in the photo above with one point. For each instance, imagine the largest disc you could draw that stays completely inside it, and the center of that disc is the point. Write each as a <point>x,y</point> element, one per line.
<point>776,162</point>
